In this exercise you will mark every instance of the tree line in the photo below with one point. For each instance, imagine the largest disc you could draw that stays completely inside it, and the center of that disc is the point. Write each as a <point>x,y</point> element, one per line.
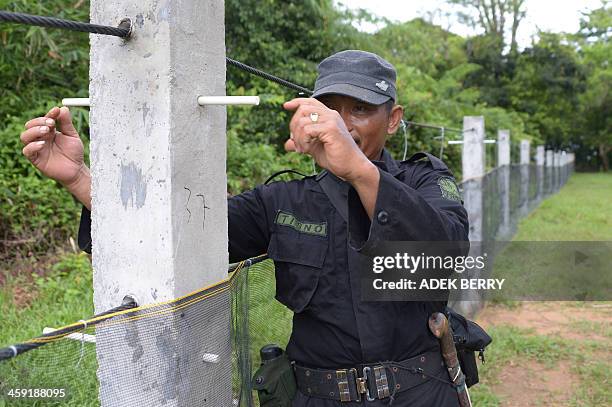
<point>554,92</point>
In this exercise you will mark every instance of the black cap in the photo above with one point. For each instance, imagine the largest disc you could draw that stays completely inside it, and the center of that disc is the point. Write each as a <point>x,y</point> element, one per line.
<point>359,74</point>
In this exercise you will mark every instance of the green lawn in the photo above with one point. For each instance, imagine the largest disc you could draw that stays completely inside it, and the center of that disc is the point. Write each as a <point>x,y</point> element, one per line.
<point>580,211</point>
<point>581,348</point>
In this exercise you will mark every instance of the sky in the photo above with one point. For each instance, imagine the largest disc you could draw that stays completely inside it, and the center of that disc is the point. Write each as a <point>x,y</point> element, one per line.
<point>546,15</point>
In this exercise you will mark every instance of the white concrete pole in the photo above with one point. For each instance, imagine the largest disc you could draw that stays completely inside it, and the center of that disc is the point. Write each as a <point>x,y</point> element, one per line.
<point>473,151</point>
<point>159,199</point>
<point>549,158</point>
<point>557,159</point>
<point>503,148</point>
<point>556,170</point>
<point>525,152</point>
<point>473,165</point>
<point>540,156</point>
<point>526,172</point>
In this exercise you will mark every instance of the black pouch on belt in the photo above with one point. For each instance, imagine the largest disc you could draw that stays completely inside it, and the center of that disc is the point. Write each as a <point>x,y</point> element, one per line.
<point>274,380</point>
<point>469,338</point>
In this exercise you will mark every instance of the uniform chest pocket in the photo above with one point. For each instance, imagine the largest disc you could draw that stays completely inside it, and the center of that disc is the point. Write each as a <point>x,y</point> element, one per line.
<point>298,261</point>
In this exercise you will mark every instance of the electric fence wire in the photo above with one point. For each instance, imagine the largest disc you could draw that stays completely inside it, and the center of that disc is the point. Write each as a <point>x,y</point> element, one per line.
<point>124,31</point>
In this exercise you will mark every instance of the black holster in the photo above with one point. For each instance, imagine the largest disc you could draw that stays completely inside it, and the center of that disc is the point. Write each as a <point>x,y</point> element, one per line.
<point>469,338</point>
<point>275,382</point>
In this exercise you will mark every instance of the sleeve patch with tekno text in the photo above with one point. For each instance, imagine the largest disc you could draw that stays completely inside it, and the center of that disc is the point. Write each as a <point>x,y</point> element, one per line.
<point>288,219</point>
<point>449,189</point>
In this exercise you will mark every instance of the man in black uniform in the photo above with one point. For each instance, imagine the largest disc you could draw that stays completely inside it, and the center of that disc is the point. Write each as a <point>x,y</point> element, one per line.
<point>317,241</point>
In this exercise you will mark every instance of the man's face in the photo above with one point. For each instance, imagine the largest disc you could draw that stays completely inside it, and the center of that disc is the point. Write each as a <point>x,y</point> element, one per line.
<point>368,124</point>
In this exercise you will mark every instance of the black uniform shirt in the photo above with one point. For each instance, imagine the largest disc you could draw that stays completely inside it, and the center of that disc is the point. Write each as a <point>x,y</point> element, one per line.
<point>316,261</point>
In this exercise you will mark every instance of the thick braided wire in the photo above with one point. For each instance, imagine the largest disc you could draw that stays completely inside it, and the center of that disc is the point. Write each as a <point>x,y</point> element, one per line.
<point>41,21</point>
<point>267,76</point>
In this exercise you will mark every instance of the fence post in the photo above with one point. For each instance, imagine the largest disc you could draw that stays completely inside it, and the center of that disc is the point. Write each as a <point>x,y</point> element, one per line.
<point>549,158</point>
<point>503,182</point>
<point>159,199</point>
<point>473,165</point>
<point>540,156</point>
<point>473,149</point>
<point>525,172</point>
<point>525,152</point>
<point>503,148</point>
<point>540,172</point>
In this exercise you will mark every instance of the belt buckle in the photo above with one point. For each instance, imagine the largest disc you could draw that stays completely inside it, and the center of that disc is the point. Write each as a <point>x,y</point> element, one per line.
<point>361,383</point>
<point>382,384</point>
<point>343,385</point>
<point>364,382</point>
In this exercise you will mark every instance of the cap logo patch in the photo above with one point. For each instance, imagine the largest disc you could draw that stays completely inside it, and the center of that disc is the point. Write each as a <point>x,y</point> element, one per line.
<point>382,85</point>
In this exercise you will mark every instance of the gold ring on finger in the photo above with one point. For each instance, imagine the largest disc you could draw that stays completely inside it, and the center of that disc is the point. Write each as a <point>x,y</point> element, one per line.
<point>314,117</point>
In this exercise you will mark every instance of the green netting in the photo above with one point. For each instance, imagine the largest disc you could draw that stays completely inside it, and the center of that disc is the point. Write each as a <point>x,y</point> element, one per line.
<point>203,365</point>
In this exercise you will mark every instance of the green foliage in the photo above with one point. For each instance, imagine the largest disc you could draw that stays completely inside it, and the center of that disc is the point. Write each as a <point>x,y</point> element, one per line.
<point>33,208</point>
<point>39,65</point>
<point>441,78</point>
<point>547,81</point>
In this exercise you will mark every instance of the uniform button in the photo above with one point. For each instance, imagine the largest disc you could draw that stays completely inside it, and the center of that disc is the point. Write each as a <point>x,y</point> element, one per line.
<point>383,217</point>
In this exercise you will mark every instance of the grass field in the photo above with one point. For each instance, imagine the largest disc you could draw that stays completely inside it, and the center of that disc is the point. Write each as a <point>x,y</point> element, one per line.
<point>554,353</point>
<point>536,344</point>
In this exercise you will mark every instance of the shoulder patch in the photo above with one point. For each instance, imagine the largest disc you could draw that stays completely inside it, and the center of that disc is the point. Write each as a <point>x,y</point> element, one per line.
<point>449,189</point>
<point>310,228</point>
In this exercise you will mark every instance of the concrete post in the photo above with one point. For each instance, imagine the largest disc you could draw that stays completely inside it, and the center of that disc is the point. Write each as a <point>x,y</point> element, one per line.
<point>540,182</point>
<point>549,158</point>
<point>469,302</point>
<point>159,199</point>
<point>473,150</point>
<point>525,152</point>
<point>526,171</point>
<point>503,194</point>
<point>473,165</point>
<point>503,148</point>
<point>540,156</point>
<point>556,170</point>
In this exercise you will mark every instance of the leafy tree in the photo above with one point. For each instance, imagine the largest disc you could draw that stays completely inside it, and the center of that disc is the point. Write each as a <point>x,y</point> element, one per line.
<point>493,17</point>
<point>593,40</point>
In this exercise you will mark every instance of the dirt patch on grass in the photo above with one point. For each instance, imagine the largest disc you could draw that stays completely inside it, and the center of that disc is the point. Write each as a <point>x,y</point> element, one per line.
<point>23,296</point>
<point>563,319</point>
<point>529,383</point>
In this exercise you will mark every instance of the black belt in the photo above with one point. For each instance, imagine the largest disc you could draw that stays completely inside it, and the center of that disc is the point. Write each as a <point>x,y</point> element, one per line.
<point>369,381</point>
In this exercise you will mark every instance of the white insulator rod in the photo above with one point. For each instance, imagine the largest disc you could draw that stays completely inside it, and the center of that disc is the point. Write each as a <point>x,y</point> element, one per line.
<point>488,141</point>
<point>228,100</point>
<point>76,336</point>
<point>76,102</point>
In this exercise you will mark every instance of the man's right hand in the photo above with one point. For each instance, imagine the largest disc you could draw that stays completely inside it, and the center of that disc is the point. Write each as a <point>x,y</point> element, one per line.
<point>53,145</point>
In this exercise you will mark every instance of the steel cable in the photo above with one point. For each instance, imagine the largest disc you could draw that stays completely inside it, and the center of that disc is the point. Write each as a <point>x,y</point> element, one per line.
<point>267,76</point>
<point>53,22</point>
